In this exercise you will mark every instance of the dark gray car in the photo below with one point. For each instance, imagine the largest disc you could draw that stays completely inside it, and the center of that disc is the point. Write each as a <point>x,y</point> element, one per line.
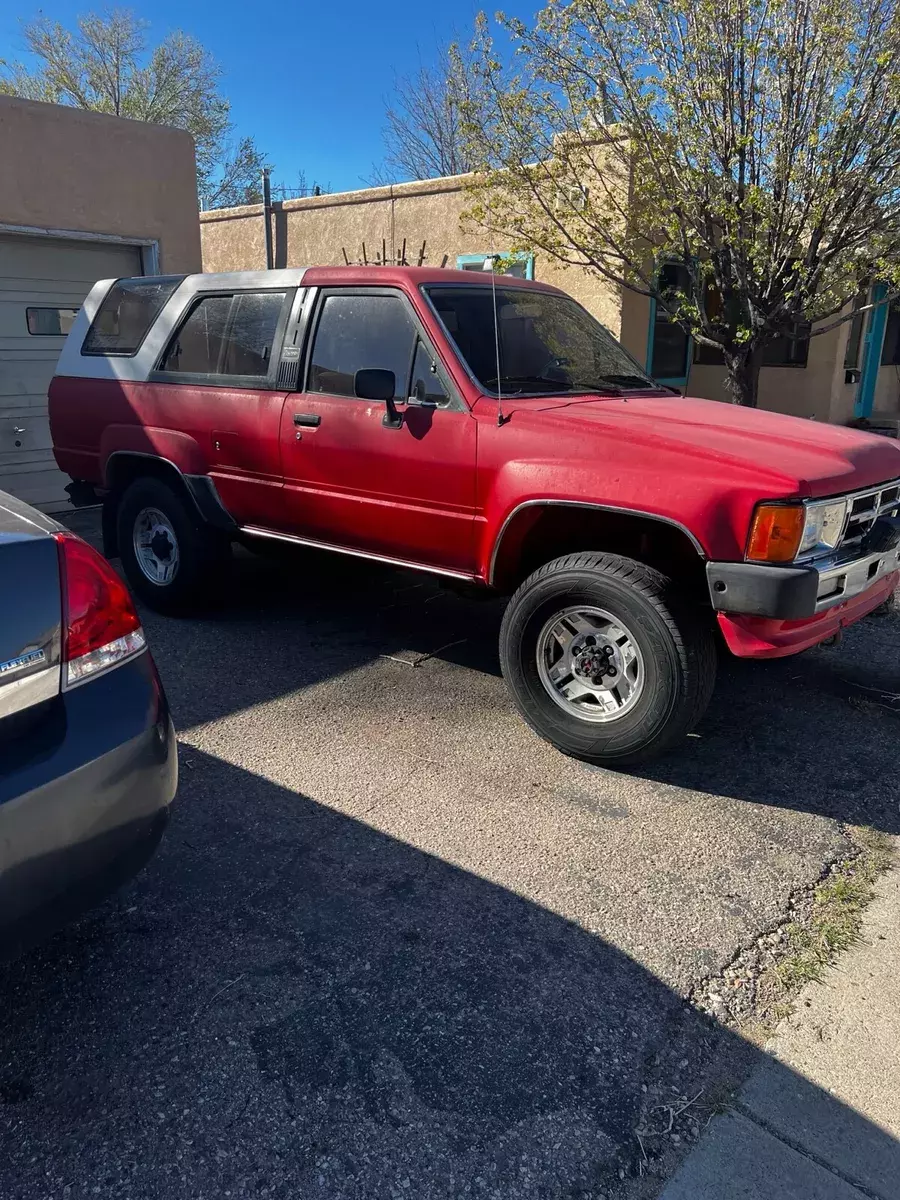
<point>88,765</point>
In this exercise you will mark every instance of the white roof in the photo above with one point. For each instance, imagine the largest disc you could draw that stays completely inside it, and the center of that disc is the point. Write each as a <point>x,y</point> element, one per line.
<point>137,367</point>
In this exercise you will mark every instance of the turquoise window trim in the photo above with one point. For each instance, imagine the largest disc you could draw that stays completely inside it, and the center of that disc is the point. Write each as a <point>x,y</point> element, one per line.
<point>679,381</point>
<point>462,260</point>
<point>873,344</point>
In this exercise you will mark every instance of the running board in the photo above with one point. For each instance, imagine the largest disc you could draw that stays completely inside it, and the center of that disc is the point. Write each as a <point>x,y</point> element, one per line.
<point>292,539</point>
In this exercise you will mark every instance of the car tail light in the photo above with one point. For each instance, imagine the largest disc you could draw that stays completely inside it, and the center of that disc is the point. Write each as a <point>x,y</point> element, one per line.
<point>101,627</point>
<point>776,533</point>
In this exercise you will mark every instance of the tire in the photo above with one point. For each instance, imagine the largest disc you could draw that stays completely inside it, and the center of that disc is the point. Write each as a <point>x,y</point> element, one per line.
<point>664,670</point>
<point>200,553</point>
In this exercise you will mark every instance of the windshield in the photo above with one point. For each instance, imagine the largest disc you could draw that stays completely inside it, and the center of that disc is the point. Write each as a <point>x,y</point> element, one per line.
<point>548,343</point>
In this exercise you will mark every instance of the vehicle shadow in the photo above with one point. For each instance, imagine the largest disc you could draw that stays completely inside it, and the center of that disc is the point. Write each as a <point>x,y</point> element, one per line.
<point>819,732</point>
<point>290,1003</point>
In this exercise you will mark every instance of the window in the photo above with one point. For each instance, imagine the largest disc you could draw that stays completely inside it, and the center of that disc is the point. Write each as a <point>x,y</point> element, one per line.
<point>426,383</point>
<point>254,320</point>
<point>197,347</point>
<point>226,335</point>
<point>854,337</point>
<point>789,351</point>
<point>127,313</point>
<point>890,351</point>
<point>783,352</point>
<point>356,332</point>
<point>519,265</point>
<point>669,344</point>
<point>50,322</point>
<point>548,344</point>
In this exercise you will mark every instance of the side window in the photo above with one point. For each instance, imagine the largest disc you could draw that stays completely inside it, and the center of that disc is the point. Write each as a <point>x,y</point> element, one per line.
<point>426,383</point>
<point>359,332</point>
<point>226,335</point>
<point>126,314</point>
<point>197,346</point>
<point>254,320</point>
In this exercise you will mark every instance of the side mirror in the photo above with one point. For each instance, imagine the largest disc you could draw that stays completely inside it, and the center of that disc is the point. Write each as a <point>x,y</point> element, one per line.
<point>374,383</point>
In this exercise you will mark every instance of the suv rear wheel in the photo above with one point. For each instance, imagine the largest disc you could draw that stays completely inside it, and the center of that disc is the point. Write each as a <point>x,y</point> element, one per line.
<point>171,560</point>
<point>603,662</point>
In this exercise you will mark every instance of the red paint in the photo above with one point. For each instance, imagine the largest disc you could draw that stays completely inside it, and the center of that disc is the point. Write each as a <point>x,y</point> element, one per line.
<point>761,637</point>
<point>438,491</point>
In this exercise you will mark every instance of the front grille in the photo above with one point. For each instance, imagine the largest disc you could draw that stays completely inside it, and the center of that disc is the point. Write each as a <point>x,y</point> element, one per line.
<point>864,510</point>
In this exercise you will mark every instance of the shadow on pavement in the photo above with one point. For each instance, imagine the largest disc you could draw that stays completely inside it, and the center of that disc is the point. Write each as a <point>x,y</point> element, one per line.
<point>291,1004</point>
<point>803,733</point>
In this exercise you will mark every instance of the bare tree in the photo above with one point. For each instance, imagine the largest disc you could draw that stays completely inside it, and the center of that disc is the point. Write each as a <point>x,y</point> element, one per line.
<point>755,142</point>
<point>105,64</point>
<point>423,134</point>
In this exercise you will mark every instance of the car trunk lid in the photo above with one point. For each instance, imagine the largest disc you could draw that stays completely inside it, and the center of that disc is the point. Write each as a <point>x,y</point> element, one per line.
<point>30,611</point>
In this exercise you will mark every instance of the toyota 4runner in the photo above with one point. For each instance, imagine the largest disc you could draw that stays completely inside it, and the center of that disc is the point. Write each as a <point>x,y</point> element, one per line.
<point>486,429</point>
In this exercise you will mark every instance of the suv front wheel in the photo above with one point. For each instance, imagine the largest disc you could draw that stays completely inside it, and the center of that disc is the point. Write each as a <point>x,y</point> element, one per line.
<point>603,661</point>
<point>170,560</point>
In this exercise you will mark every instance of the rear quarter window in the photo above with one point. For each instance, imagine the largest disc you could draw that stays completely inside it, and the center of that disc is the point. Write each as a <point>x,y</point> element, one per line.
<point>226,336</point>
<point>126,315</point>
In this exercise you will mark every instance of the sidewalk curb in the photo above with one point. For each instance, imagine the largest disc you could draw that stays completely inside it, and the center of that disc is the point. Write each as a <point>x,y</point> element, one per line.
<point>820,1118</point>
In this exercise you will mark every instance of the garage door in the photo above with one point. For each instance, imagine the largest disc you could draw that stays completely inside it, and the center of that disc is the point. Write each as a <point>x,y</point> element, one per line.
<point>42,284</point>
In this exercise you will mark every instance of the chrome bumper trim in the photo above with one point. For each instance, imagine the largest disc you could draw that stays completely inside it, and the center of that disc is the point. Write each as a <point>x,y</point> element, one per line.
<point>848,580</point>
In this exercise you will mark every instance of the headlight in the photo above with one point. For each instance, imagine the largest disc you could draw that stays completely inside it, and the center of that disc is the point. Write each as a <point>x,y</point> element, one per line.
<point>823,527</point>
<point>781,533</point>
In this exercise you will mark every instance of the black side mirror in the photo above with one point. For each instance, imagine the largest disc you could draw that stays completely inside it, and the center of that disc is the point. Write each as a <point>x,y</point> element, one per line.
<point>374,383</point>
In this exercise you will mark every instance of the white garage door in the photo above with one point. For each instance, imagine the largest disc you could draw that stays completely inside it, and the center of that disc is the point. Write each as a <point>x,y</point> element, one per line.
<point>42,284</point>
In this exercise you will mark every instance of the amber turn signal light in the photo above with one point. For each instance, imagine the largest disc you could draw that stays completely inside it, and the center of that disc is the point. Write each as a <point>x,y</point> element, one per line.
<point>776,532</point>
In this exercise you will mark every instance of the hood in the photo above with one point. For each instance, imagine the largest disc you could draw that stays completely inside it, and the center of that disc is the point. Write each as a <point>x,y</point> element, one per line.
<point>813,459</point>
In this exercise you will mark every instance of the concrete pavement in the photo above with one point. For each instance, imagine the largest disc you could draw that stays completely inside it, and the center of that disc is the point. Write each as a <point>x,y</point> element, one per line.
<point>820,1119</point>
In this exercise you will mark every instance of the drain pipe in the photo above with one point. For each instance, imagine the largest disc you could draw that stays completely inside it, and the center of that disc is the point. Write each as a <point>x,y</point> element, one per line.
<point>267,217</point>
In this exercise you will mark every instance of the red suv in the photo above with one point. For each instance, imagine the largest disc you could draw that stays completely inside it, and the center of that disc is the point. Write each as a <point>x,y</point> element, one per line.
<point>489,430</point>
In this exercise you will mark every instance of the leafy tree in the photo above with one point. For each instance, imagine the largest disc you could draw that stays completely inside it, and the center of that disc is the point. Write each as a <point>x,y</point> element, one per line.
<point>423,132</point>
<point>755,141</point>
<point>105,64</point>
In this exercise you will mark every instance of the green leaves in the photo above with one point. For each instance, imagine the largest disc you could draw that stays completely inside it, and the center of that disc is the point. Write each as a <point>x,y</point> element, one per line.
<point>760,138</point>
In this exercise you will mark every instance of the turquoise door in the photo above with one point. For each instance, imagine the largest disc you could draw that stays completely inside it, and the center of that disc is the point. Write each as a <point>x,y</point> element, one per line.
<point>871,356</point>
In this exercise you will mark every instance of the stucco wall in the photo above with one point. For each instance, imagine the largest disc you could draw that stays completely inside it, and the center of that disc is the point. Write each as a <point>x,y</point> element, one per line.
<point>64,168</point>
<point>315,231</point>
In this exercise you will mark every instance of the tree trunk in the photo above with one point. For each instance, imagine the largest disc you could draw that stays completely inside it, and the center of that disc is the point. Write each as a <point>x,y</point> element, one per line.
<point>743,375</point>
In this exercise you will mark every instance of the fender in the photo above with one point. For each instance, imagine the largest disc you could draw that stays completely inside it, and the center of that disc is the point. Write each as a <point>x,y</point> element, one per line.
<point>199,488</point>
<point>179,449</point>
<point>539,503</point>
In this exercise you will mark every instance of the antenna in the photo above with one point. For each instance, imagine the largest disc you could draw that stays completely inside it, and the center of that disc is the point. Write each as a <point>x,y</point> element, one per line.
<point>489,266</point>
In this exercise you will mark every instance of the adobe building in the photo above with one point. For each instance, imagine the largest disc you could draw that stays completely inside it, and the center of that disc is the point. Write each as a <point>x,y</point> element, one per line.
<point>83,196</point>
<point>853,371</point>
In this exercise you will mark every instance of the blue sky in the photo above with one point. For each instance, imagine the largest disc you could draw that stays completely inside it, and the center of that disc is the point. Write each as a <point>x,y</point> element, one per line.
<point>308,81</point>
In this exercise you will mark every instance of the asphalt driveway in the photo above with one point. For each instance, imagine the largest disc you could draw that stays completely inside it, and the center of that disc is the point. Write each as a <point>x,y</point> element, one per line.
<point>394,944</point>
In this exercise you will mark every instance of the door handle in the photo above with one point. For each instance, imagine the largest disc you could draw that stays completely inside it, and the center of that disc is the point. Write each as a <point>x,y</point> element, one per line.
<point>308,420</point>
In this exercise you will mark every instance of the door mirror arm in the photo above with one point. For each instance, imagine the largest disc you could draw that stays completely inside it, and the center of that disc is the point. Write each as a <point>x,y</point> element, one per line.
<point>392,418</point>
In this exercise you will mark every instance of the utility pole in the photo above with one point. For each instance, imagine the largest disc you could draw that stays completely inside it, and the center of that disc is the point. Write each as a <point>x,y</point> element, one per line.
<point>267,217</point>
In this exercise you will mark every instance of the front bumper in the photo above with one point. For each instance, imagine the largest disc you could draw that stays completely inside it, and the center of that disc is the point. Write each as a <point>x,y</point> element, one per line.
<point>791,593</point>
<point>84,798</point>
<point>770,611</point>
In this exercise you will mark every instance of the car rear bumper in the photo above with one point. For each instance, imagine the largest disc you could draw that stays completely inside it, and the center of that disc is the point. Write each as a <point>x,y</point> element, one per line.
<point>84,797</point>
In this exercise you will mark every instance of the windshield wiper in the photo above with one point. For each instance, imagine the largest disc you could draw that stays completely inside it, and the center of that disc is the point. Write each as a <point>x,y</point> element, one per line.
<point>638,381</point>
<point>557,385</point>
